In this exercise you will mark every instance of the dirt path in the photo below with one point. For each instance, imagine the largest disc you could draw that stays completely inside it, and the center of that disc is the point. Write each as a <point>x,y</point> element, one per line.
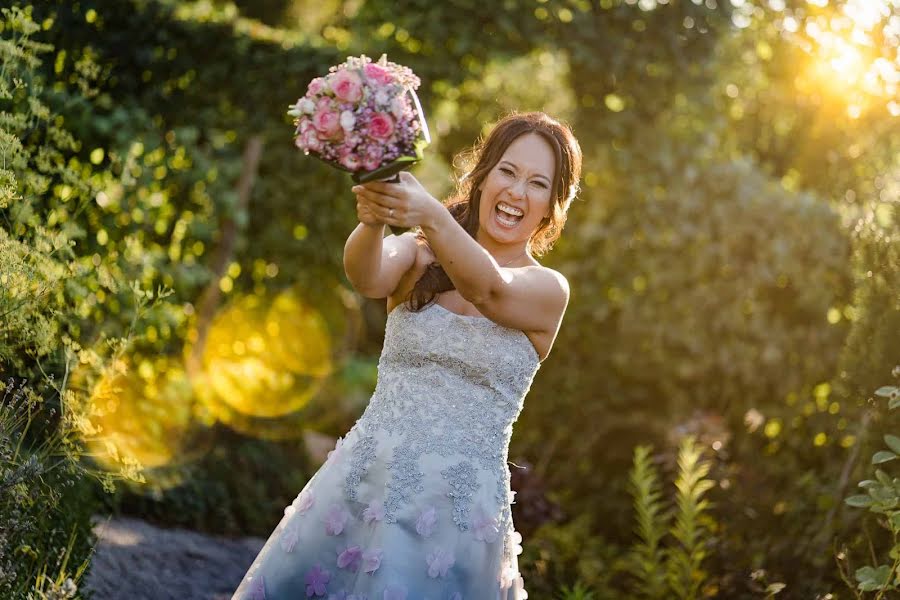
<point>138,561</point>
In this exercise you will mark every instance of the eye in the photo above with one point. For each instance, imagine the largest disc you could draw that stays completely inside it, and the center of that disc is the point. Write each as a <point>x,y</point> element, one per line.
<point>540,184</point>
<point>506,171</point>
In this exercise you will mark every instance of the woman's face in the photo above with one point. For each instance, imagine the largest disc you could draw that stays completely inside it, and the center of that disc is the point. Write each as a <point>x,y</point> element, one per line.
<point>520,182</point>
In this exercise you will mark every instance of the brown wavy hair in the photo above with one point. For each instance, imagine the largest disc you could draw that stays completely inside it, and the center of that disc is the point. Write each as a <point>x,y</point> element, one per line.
<point>465,203</point>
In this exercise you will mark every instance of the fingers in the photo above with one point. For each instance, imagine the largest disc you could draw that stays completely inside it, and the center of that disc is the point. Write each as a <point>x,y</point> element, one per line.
<point>385,213</point>
<point>378,199</point>
<point>381,187</point>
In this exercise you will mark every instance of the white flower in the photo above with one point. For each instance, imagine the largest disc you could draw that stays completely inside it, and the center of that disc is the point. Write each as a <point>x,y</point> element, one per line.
<point>382,98</point>
<point>307,106</point>
<point>426,521</point>
<point>347,120</point>
<point>304,106</point>
<point>398,107</point>
<point>372,560</point>
<point>519,585</point>
<point>289,538</point>
<point>486,527</point>
<point>508,576</point>
<point>515,539</point>
<point>301,503</point>
<point>374,512</point>
<point>304,501</point>
<point>334,455</point>
<point>439,561</point>
<point>335,519</point>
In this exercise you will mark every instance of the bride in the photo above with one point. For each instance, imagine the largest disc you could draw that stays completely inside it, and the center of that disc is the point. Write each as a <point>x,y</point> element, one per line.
<point>414,502</point>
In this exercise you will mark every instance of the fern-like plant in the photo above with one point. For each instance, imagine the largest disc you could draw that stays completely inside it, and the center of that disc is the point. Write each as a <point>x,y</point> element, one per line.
<point>693,525</point>
<point>667,558</point>
<point>647,555</point>
<point>578,592</point>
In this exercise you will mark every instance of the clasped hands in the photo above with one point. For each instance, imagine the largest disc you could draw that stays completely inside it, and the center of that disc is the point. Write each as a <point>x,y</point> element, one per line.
<point>403,204</point>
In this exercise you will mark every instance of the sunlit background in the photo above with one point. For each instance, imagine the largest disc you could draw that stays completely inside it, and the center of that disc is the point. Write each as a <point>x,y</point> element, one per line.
<point>733,258</point>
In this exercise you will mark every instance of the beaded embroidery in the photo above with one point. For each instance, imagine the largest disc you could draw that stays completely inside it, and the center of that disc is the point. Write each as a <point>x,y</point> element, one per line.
<point>463,485</point>
<point>449,385</point>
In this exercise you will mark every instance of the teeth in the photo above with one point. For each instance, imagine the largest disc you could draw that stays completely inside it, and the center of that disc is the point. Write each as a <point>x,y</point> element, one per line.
<point>510,209</point>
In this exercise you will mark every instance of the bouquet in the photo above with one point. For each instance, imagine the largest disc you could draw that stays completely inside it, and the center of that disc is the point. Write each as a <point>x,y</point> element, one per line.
<point>363,117</point>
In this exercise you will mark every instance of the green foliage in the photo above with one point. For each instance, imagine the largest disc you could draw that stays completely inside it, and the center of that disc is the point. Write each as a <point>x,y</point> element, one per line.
<point>674,569</point>
<point>45,506</point>
<point>647,555</point>
<point>692,524</point>
<point>882,497</point>
<point>558,554</point>
<point>234,489</point>
<point>576,592</point>
<point>47,498</point>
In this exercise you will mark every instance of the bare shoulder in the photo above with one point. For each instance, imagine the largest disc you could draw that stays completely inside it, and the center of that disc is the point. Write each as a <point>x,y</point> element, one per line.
<point>557,281</point>
<point>553,285</point>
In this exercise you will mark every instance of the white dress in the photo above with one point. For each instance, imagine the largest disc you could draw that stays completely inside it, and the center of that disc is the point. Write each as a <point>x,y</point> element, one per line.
<point>414,502</point>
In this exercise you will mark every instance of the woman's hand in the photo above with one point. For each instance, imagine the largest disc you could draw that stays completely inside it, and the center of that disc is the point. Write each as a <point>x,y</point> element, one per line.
<point>365,212</point>
<point>404,204</point>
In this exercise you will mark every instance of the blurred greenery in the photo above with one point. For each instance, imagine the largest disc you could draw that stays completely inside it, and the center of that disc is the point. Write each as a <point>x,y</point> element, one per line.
<point>733,259</point>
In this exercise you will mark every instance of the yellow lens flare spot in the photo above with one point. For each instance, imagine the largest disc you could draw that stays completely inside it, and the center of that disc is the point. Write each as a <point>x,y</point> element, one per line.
<point>264,357</point>
<point>138,416</point>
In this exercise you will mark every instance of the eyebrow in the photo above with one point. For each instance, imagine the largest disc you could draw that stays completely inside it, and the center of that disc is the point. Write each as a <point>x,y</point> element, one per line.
<point>517,168</point>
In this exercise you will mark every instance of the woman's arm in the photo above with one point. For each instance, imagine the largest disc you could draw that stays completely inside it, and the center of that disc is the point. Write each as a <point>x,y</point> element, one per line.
<point>520,298</point>
<point>375,264</point>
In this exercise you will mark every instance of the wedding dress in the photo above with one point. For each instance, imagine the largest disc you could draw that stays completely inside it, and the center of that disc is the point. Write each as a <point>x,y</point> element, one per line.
<point>414,502</point>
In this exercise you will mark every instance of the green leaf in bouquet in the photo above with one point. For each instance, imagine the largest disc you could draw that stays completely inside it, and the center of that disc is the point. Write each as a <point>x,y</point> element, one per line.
<point>385,171</point>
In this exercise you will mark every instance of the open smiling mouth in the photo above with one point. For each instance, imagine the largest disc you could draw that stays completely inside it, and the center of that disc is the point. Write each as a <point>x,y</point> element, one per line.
<point>505,216</point>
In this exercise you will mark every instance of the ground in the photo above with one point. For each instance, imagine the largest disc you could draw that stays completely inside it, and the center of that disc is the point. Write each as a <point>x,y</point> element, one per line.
<point>138,561</point>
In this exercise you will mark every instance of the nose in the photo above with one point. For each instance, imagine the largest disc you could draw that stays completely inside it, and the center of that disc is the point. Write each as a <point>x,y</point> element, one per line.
<point>517,189</point>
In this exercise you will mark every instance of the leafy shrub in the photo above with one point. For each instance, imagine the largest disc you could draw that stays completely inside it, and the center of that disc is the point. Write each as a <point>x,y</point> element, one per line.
<point>882,498</point>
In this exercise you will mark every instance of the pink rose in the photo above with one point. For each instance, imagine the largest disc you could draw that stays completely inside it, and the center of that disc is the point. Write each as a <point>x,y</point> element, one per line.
<point>328,123</point>
<point>309,141</point>
<point>304,126</point>
<point>350,161</point>
<point>381,126</point>
<point>347,86</point>
<point>372,158</point>
<point>325,103</point>
<point>377,73</point>
<point>317,86</point>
